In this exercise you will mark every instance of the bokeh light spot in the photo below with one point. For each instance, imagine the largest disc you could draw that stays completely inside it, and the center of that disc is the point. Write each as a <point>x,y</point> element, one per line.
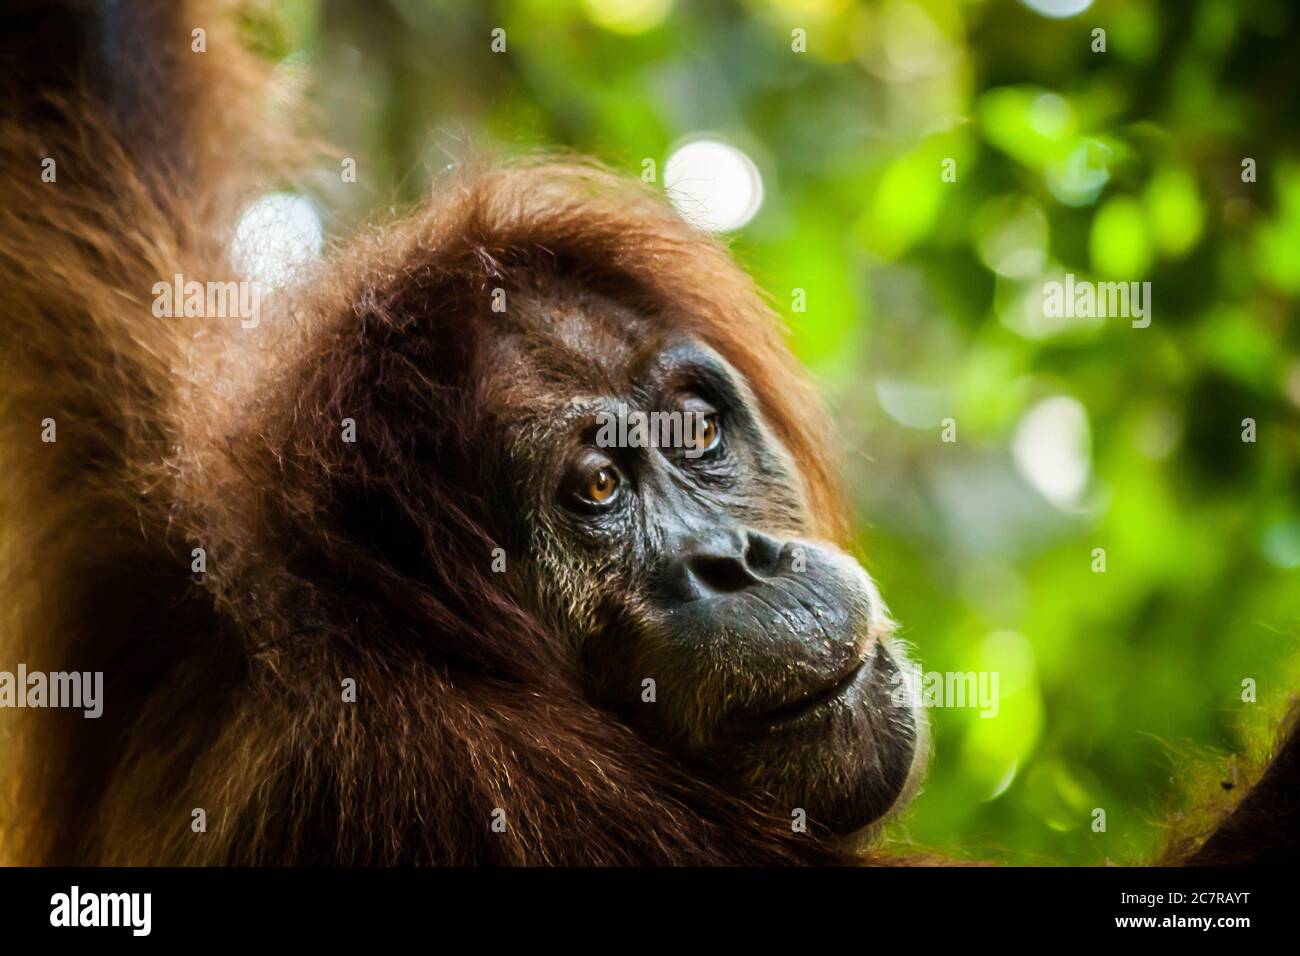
<point>277,235</point>
<point>713,185</point>
<point>1052,449</point>
<point>1058,9</point>
<point>628,16</point>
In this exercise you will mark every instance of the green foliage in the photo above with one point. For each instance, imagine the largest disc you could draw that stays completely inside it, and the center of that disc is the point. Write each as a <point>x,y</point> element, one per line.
<point>924,302</point>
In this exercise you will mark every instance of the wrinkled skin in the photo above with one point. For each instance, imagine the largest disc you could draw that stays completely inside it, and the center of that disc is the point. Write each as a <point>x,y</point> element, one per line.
<point>768,650</point>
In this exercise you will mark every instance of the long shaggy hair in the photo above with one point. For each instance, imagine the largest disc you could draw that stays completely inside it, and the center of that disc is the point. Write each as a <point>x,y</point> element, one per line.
<point>326,560</point>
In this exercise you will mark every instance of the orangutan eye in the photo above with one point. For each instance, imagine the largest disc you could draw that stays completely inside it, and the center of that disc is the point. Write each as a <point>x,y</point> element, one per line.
<point>709,434</point>
<point>703,433</point>
<point>602,484</point>
<point>593,481</point>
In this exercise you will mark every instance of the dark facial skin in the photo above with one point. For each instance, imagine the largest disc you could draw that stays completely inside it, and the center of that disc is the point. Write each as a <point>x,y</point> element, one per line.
<point>768,649</point>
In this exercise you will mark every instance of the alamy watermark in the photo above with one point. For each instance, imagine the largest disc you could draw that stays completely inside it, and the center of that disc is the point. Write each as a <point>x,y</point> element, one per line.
<point>913,688</point>
<point>73,690</point>
<point>213,300</point>
<point>133,911</point>
<point>1084,299</point>
<point>636,429</point>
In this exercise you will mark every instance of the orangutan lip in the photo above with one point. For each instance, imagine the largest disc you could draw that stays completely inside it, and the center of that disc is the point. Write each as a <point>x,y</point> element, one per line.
<point>797,711</point>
